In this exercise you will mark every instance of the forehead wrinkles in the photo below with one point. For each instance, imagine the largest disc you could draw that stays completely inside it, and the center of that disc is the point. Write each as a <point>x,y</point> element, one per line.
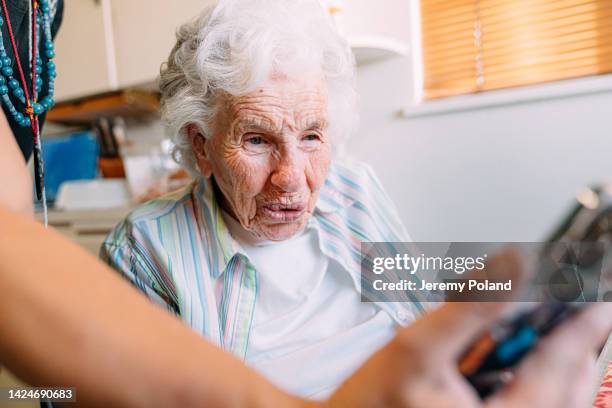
<point>276,110</point>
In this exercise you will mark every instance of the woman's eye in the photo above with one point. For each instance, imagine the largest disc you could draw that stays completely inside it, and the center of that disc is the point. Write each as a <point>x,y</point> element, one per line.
<point>311,141</point>
<point>256,143</point>
<point>256,140</point>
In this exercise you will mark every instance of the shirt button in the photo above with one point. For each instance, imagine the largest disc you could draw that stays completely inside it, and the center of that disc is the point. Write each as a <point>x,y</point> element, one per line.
<point>403,316</point>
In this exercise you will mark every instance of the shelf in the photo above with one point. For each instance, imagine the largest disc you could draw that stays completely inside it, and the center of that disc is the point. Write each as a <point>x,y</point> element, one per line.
<point>125,103</point>
<point>369,49</point>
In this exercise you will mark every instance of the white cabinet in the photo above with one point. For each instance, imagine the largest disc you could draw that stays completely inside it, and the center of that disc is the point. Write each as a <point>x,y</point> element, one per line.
<point>81,51</point>
<point>144,34</point>
<point>104,45</point>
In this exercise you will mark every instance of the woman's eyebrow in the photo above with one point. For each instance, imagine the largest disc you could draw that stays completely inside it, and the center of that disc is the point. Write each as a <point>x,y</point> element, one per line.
<point>266,125</point>
<point>316,123</point>
<point>256,123</point>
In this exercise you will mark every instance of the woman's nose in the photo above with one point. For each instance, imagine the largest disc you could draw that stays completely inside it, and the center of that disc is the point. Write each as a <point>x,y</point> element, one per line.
<point>289,174</point>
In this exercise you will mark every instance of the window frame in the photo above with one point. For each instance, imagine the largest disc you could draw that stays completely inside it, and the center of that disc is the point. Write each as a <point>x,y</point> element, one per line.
<point>418,106</point>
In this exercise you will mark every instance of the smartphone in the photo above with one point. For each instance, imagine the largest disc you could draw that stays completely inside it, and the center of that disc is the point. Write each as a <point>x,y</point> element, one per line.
<point>488,361</point>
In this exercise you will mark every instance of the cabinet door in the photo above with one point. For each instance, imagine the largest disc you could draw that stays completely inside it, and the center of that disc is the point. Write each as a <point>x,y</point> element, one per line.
<point>144,33</point>
<point>80,46</point>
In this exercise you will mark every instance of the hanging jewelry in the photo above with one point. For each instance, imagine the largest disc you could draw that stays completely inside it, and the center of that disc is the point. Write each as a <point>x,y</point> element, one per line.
<point>19,87</point>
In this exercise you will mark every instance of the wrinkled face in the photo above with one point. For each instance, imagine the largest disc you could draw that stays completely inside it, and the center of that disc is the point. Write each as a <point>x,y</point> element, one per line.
<point>269,155</point>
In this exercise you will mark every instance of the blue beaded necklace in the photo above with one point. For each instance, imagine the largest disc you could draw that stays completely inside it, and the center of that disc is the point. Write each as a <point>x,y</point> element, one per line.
<point>29,97</point>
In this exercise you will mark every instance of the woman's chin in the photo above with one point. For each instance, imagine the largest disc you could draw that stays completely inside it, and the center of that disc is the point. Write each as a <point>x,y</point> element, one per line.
<point>281,231</point>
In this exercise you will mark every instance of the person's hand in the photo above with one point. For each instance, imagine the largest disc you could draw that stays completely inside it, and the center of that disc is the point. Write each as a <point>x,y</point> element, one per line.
<point>418,368</point>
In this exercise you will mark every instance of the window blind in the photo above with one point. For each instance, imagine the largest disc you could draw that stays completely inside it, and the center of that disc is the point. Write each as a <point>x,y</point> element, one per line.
<point>472,46</point>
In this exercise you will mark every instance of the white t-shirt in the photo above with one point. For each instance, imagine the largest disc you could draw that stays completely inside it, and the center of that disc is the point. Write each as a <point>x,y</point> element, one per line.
<point>310,330</point>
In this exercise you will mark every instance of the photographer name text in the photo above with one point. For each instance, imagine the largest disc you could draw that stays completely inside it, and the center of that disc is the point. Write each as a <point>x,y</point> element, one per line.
<point>469,284</point>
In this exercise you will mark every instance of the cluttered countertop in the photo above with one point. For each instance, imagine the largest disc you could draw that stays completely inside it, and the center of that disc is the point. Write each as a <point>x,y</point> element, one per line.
<point>104,155</point>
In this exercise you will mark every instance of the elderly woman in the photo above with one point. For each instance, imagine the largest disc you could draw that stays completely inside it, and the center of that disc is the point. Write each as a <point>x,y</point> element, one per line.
<point>261,253</point>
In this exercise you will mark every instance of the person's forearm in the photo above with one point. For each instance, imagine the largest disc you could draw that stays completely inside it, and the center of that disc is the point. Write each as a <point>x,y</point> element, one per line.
<point>16,191</point>
<point>68,320</point>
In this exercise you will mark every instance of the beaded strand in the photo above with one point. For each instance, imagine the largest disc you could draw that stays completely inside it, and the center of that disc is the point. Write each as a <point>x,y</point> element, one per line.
<point>9,84</point>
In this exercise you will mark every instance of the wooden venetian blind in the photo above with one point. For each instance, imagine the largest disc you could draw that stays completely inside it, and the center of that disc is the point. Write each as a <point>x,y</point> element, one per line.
<point>472,46</point>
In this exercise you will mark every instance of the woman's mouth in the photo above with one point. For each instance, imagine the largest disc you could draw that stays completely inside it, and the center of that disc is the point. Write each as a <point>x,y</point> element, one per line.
<point>283,212</point>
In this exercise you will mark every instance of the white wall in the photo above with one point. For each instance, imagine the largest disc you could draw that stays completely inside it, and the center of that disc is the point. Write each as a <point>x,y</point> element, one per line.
<point>498,174</point>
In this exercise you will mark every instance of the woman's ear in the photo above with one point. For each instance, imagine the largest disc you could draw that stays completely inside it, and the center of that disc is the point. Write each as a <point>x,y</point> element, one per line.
<point>198,146</point>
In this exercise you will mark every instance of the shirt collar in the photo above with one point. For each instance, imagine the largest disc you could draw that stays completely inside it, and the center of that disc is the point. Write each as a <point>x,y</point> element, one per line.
<point>329,220</point>
<point>221,246</point>
<point>331,199</point>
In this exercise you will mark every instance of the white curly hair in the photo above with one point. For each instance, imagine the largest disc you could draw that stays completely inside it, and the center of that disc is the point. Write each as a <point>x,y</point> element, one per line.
<point>234,46</point>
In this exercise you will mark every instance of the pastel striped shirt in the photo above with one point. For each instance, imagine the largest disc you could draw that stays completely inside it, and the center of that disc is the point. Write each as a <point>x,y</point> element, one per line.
<point>178,251</point>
